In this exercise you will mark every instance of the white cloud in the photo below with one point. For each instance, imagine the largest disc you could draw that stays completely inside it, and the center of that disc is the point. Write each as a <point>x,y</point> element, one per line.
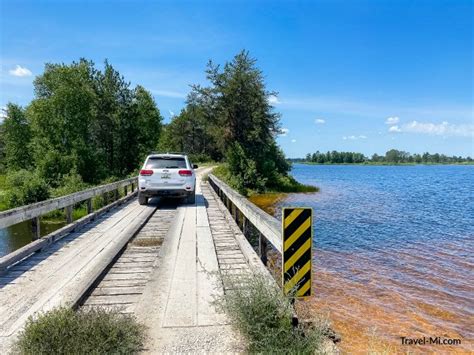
<point>444,129</point>
<point>171,113</point>
<point>168,93</point>
<point>319,121</point>
<point>293,141</point>
<point>284,132</point>
<point>273,100</point>
<point>392,120</point>
<point>354,138</point>
<point>440,129</point>
<point>394,129</point>
<point>20,71</point>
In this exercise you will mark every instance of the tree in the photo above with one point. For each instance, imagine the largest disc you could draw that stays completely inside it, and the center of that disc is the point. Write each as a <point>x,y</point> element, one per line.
<point>16,133</point>
<point>149,121</point>
<point>61,118</point>
<point>237,105</point>
<point>393,156</point>
<point>191,132</point>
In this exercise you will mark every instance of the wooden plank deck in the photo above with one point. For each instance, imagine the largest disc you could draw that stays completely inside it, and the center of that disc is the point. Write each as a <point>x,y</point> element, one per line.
<point>123,283</point>
<point>178,303</point>
<point>169,275</point>
<point>61,274</point>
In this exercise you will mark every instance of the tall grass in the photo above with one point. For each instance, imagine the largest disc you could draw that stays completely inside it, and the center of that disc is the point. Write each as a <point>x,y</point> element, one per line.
<point>94,331</point>
<point>264,316</point>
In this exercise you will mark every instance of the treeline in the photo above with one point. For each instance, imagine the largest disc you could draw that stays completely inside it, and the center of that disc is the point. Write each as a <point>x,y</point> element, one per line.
<point>87,126</point>
<point>84,126</point>
<point>392,156</point>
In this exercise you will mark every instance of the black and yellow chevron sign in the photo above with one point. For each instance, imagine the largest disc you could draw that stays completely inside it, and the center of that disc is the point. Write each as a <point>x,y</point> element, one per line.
<point>297,224</point>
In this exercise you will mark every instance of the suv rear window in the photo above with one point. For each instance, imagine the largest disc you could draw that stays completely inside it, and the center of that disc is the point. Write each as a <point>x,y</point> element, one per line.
<point>165,163</point>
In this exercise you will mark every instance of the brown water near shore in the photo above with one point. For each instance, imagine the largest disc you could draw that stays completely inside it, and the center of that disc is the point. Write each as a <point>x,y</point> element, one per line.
<point>371,311</point>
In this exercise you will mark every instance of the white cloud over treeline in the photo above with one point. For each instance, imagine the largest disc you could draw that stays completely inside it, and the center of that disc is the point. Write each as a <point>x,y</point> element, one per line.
<point>20,71</point>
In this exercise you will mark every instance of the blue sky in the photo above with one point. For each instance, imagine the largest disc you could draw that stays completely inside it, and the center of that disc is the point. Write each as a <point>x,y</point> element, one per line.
<point>351,75</point>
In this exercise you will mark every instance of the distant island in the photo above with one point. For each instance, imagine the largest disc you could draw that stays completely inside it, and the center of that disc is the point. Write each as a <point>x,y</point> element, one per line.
<point>393,156</point>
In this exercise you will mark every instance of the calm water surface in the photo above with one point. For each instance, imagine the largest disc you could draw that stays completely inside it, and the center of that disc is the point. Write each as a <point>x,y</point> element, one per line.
<point>394,251</point>
<point>18,235</point>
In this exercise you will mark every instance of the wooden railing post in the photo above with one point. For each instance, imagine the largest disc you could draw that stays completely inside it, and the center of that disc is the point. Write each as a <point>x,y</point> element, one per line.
<point>125,190</point>
<point>116,195</point>
<point>237,212</point>
<point>68,211</point>
<point>35,228</point>
<point>133,187</point>
<point>262,248</point>
<point>244,225</point>
<point>89,207</point>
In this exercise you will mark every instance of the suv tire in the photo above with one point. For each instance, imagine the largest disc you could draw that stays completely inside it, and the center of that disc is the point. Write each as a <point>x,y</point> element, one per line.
<point>142,199</point>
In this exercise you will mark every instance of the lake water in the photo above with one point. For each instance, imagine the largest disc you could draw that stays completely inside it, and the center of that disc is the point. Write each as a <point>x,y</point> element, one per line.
<point>18,235</point>
<point>394,252</point>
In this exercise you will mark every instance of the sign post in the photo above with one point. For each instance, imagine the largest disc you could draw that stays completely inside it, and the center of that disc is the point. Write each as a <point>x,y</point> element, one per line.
<point>297,231</point>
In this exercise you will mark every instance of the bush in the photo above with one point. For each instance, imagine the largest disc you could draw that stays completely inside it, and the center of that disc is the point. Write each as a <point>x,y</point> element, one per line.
<point>69,184</point>
<point>244,170</point>
<point>264,316</point>
<point>289,184</point>
<point>95,331</point>
<point>25,187</point>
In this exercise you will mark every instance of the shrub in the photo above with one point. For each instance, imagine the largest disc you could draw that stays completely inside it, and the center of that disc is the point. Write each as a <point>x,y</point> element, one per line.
<point>244,170</point>
<point>289,184</point>
<point>69,184</point>
<point>264,316</point>
<point>25,187</point>
<point>93,331</point>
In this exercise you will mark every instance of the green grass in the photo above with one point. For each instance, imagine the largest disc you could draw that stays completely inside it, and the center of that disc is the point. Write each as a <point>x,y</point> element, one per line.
<point>95,331</point>
<point>263,315</point>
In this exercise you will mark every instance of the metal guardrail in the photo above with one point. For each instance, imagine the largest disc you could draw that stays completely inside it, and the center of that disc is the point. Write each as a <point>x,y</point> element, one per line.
<point>244,212</point>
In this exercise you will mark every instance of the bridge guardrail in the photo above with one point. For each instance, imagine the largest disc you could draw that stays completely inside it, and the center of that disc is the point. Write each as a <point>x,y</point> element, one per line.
<point>36,210</point>
<point>244,212</point>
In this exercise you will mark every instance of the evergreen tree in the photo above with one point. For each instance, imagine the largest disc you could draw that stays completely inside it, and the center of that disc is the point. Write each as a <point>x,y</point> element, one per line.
<point>246,126</point>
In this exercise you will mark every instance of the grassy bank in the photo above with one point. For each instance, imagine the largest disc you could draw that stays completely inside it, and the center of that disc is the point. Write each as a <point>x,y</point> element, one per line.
<point>286,184</point>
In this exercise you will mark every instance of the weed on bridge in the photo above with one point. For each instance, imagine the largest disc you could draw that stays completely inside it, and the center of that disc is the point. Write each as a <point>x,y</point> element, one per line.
<point>92,331</point>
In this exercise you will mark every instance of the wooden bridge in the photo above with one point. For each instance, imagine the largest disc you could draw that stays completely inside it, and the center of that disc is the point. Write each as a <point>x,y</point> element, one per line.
<point>162,262</point>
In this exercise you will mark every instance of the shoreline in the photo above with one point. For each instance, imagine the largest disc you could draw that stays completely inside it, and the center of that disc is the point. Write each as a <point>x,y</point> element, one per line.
<point>386,164</point>
<point>395,308</point>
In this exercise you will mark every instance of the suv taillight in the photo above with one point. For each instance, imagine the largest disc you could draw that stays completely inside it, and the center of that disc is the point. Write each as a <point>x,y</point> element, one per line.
<point>146,172</point>
<point>185,172</point>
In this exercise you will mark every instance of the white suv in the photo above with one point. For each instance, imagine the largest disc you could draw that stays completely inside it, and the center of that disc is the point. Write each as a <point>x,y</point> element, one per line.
<point>169,175</point>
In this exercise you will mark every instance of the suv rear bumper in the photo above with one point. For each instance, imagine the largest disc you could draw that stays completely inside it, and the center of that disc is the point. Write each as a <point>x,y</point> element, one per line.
<point>167,193</point>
